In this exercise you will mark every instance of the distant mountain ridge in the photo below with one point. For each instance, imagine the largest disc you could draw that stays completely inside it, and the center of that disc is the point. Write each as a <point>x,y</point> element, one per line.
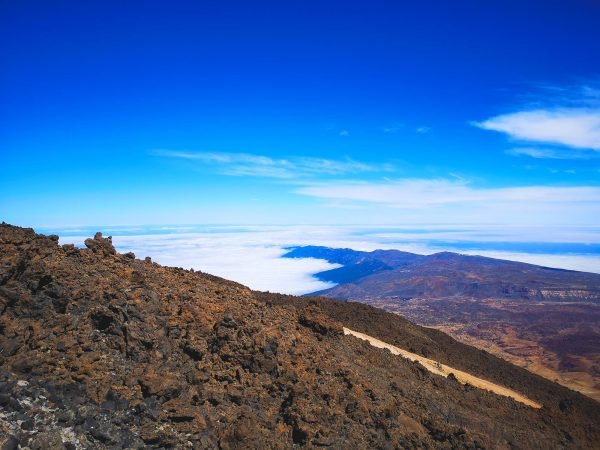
<point>403,274</point>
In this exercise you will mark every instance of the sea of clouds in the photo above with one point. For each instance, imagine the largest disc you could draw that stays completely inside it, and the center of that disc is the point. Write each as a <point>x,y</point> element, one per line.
<point>252,255</point>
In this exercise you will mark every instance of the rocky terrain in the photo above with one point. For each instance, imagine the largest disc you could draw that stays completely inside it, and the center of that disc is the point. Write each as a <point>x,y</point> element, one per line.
<point>102,350</point>
<point>546,320</point>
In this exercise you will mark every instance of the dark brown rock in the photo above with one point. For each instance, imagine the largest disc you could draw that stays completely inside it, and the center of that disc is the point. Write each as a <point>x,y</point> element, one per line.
<point>47,441</point>
<point>314,318</point>
<point>101,245</point>
<point>9,442</point>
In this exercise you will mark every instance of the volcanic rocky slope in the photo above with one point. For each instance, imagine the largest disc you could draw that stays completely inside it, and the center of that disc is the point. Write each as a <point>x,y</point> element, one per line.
<point>102,350</point>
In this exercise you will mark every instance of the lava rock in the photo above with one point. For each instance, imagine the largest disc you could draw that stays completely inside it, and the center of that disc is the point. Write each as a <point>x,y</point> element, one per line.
<point>50,440</point>
<point>101,245</point>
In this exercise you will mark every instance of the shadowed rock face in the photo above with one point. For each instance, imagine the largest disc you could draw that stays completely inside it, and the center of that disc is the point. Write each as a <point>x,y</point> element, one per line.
<point>101,350</point>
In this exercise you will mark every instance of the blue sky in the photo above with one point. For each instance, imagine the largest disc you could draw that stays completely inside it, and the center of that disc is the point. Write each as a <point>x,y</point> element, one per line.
<point>395,112</point>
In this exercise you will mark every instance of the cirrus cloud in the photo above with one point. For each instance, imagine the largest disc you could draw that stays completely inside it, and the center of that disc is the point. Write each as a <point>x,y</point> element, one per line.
<point>552,153</point>
<point>247,164</point>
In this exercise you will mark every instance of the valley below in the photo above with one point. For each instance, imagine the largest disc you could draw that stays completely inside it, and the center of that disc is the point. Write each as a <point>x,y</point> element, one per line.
<point>558,341</point>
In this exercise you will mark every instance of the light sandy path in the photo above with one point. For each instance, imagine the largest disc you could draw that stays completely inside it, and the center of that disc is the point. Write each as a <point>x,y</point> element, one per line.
<point>443,370</point>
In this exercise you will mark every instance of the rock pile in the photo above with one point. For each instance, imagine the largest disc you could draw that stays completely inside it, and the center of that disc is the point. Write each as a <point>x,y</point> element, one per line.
<point>101,245</point>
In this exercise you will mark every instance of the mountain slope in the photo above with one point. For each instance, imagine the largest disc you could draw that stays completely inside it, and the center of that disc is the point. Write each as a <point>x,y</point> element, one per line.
<point>544,319</point>
<point>102,350</point>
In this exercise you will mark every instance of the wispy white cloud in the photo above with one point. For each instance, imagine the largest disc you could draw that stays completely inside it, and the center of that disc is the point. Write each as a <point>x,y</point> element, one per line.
<point>245,164</point>
<point>580,95</point>
<point>578,128</point>
<point>393,128</point>
<point>457,201</point>
<point>567,171</point>
<point>344,133</point>
<point>552,153</point>
<point>423,130</point>
<point>424,193</point>
<point>567,117</point>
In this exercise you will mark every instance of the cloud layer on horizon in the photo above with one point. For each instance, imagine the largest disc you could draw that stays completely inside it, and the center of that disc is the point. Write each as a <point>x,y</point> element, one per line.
<point>253,256</point>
